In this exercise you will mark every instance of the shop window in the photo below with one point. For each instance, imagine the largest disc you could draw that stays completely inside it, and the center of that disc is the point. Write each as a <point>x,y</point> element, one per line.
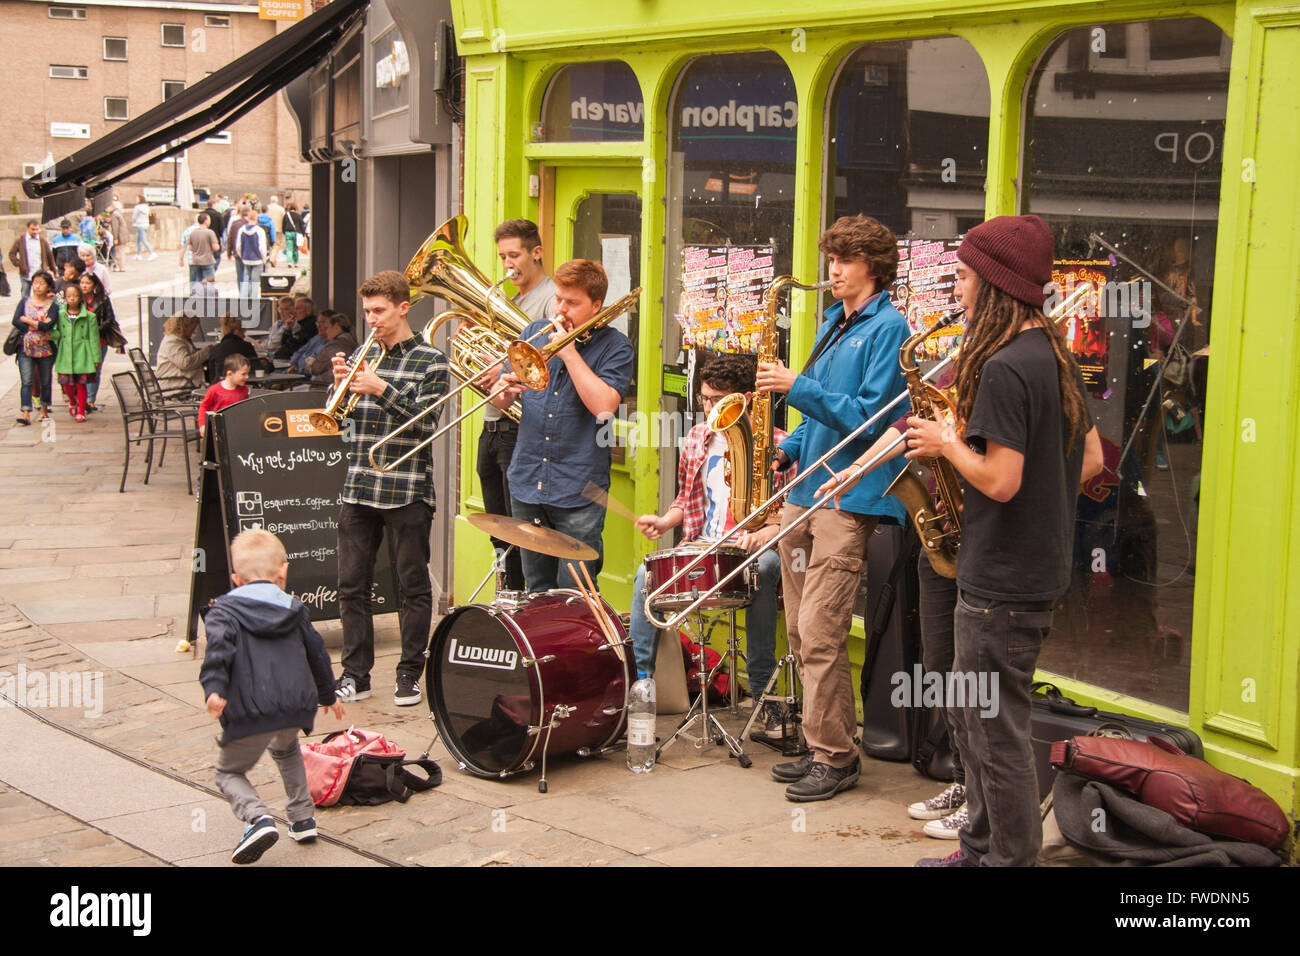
<point>909,132</point>
<point>592,102</point>
<point>1128,155</point>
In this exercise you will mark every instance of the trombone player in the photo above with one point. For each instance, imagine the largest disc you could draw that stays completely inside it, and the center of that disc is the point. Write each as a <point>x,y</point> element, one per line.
<point>557,452</point>
<point>852,373</point>
<point>407,377</point>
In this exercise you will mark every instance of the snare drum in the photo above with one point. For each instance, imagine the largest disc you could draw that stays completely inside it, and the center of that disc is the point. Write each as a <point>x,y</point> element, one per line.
<point>499,676</point>
<point>663,565</point>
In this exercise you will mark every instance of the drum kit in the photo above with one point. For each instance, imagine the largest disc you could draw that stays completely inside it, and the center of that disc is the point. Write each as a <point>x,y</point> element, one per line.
<point>529,676</point>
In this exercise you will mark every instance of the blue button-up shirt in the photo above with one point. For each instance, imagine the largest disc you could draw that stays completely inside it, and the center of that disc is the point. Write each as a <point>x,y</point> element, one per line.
<point>557,453</point>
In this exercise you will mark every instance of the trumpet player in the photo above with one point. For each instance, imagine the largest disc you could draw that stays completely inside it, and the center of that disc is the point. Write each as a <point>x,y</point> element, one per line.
<point>852,373</point>
<point>1019,444</point>
<point>409,376</point>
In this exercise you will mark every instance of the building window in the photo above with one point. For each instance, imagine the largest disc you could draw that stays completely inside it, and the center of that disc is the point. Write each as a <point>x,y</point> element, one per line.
<point>171,87</point>
<point>222,138</point>
<point>173,34</point>
<point>114,48</point>
<point>69,72</point>
<point>216,19</point>
<point>1129,153</point>
<point>115,108</point>
<point>67,13</point>
<point>909,133</point>
<point>593,102</point>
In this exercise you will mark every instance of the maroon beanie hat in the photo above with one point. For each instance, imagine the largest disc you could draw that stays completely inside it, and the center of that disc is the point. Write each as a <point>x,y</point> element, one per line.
<point>1013,253</point>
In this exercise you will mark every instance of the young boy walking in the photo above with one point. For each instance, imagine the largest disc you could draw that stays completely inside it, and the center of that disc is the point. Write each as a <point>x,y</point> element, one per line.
<point>264,673</point>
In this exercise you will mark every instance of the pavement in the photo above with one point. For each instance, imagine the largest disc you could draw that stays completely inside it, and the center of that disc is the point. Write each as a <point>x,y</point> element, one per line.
<point>94,583</point>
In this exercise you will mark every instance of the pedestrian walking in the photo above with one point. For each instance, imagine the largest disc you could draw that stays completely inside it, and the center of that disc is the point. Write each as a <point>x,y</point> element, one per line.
<point>142,218</point>
<point>254,631</point>
<point>117,222</point>
<point>31,253</point>
<point>77,337</point>
<point>292,231</point>
<point>35,317</point>
<point>251,246</point>
<point>97,301</point>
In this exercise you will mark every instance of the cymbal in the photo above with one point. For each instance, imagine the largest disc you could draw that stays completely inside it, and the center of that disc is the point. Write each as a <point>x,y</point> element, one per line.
<point>533,537</point>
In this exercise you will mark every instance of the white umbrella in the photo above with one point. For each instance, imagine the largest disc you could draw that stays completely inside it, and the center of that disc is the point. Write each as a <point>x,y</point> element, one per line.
<point>184,182</point>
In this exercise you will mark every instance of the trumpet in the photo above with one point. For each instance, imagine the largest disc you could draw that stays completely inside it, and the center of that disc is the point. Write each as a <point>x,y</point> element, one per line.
<point>1060,311</point>
<point>342,401</point>
<point>527,361</point>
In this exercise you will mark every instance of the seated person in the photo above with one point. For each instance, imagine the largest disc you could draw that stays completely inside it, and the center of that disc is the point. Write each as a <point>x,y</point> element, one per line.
<point>300,359</point>
<point>339,340</point>
<point>702,508</point>
<point>232,343</point>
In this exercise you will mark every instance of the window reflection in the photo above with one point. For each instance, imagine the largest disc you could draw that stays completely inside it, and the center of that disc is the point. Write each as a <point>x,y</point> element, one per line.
<point>1123,154</point>
<point>592,102</point>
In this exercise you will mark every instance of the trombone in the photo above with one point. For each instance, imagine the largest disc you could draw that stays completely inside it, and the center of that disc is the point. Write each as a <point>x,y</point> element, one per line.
<point>339,405</point>
<point>527,361</point>
<point>1062,309</point>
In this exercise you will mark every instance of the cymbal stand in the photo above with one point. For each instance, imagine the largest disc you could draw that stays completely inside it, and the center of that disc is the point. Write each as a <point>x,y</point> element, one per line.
<point>498,569</point>
<point>791,744</point>
<point>711,728</point>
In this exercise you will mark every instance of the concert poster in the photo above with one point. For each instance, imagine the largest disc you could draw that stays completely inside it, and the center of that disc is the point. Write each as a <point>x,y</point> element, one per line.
<point>923,291</point>
<point>721,306</point>
<point>1085,327</point>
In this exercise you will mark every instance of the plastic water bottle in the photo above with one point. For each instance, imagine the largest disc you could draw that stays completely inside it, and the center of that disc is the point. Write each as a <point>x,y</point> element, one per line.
<point>641,725</point>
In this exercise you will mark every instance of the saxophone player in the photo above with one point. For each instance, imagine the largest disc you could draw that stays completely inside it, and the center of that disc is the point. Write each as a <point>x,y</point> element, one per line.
<point>701,508</point>
<point>852,373</point>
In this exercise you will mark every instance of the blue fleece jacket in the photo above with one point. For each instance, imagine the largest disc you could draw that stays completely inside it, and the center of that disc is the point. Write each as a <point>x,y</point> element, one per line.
<point>266,659</point>
<point>850,381</point>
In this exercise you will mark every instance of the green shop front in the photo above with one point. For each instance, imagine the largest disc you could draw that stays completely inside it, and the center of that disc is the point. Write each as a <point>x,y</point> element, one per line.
<point>632,131</point>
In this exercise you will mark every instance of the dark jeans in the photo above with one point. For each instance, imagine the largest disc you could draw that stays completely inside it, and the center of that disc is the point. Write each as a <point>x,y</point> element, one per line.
<point>587,524</point>
<point>39,370</point>
<point>938,600</point>
<point>361,530</point>
<point>1002,640</point>
<point>496,445</point>
<point>92,388</point>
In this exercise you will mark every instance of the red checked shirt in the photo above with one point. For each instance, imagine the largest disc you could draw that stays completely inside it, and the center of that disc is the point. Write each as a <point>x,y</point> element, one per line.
<point>693,498</point>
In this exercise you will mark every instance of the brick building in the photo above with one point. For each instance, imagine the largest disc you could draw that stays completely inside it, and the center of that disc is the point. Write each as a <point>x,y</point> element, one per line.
<point>81,70</point>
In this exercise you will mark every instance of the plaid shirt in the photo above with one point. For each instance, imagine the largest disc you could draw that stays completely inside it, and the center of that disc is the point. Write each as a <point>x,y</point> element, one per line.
<point>693,499</point>
<point>416,375</point>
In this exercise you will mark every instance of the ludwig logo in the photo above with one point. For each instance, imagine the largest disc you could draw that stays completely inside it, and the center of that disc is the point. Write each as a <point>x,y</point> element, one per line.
<point>482,656</point>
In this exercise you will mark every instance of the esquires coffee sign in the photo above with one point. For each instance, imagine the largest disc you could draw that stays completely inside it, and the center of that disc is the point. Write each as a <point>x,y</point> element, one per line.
<point>281,473</point>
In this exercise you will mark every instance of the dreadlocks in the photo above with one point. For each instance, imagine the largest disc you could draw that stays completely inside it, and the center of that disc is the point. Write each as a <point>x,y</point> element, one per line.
<point>996,321</point>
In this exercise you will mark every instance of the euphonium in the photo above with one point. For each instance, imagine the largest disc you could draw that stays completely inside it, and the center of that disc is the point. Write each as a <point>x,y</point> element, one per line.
<point>749,441</point>
<point>940,531</point>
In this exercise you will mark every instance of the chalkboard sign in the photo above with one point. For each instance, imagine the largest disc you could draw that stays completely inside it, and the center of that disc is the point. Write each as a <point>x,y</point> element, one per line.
<point>266,466</point>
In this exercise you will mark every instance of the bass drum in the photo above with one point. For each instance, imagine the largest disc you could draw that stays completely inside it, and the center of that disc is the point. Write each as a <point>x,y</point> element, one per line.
<point>500,677</point>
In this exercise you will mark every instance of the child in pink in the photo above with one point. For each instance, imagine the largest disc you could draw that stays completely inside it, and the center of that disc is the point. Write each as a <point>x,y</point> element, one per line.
<point>231,389</point>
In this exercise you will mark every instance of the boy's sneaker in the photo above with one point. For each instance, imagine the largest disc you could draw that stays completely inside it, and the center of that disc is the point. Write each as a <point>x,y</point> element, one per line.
<point>349,691</point>
<point>947,828</point>
<point>955,858</point>
<point>770,724</point>
<point>949,801</point>
<point>408,691</point>
<point>258,838</point>
<point>304,831</point>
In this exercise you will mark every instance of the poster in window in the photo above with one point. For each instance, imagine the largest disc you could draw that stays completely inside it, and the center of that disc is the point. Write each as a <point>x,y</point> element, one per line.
<point>721,307</point>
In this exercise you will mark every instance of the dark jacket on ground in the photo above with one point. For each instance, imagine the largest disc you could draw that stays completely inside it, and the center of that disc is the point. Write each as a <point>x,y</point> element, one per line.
<point>266,659</point>
<point>230,344</point>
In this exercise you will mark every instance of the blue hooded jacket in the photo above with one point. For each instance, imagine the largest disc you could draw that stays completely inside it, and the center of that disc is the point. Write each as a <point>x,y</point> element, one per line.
<point>266,659</point>
<point>850,381</point>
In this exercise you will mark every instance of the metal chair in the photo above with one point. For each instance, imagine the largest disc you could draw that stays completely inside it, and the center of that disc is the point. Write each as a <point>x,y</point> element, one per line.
<point>154,426</point>
<point>148,380</point>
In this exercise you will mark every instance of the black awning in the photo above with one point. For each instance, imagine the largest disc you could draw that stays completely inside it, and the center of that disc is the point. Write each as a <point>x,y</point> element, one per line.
<point>198,111</point>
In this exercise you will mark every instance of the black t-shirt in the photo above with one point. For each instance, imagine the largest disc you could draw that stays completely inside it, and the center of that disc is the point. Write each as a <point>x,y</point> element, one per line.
<point>1021,550</point>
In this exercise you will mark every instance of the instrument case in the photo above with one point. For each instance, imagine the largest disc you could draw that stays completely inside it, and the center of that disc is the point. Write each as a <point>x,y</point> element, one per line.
<point>1054,717</point>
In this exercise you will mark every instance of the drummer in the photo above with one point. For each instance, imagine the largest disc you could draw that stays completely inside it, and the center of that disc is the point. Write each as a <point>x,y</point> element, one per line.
<point>702,509</point>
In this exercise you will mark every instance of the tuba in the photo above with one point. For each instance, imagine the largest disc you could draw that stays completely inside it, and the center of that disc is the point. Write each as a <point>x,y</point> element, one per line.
<point>748,466</point>
<point>939,529</point>
<point>487,322</point>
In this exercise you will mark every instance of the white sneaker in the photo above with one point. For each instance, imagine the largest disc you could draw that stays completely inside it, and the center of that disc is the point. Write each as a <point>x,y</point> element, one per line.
<point>937,807</point>
<point>153,256</point>
<point>948,827</point>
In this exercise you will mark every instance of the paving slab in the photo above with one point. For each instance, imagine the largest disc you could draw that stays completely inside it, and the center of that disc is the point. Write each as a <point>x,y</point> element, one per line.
<point>87,609</point>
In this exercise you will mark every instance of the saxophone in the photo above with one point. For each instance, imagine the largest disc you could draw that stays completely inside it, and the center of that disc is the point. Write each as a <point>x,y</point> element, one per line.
<point>748,467</point>
<point>939,530</point>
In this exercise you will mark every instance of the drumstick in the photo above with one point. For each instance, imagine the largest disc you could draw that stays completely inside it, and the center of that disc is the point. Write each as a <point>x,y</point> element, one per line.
<point>607,625</point>
<point>594,492</point>
<point>596,612</point>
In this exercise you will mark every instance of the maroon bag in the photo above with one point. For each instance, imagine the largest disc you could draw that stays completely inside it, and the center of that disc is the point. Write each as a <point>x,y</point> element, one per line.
<point>1195,794</point>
